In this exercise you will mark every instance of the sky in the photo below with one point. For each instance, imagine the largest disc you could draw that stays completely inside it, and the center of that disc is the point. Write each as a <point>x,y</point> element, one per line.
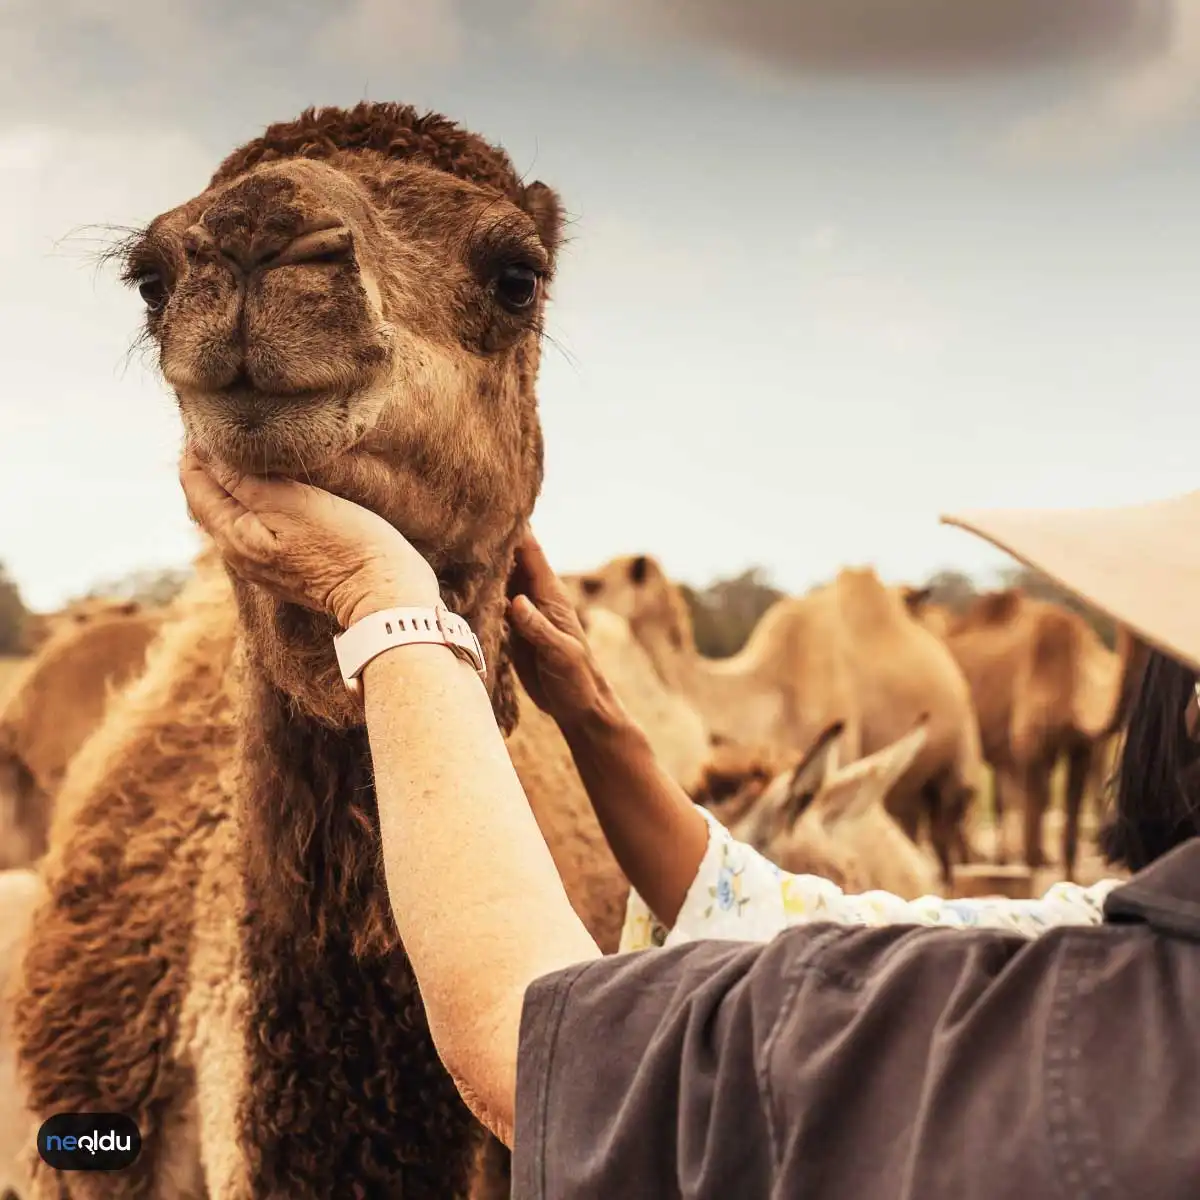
<point>832,270</point>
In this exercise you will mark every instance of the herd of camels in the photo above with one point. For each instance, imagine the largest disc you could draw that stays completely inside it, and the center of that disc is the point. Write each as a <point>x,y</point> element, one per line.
<point>196,931</point>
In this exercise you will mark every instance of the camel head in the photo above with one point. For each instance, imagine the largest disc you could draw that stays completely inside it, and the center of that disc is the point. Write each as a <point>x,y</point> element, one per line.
<point>923,609</point>
<point>637,588</point>
<point>807,819</point>
<point>356,299</point>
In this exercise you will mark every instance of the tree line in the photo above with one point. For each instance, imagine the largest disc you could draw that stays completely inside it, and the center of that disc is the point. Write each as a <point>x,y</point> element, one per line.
<point>723,612</point>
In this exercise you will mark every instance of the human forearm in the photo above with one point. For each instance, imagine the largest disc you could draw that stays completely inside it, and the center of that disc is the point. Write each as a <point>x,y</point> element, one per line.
<point>477,901</point>
<point>656,833</point>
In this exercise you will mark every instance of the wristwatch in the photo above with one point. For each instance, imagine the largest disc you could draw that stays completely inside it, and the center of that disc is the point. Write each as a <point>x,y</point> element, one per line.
<point>379,631</point>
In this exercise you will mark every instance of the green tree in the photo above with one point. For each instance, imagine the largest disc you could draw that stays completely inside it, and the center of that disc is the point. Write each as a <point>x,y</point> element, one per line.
<point>150,586</point>
<point>951,588</point>
<point>724,612</point>
<point>13,615</point>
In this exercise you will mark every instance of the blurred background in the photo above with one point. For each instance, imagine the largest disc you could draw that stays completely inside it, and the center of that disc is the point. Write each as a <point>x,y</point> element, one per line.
<point>833,269</point>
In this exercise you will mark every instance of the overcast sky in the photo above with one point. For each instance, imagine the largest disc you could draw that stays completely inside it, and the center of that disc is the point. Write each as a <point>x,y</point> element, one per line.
<point>834,269</point>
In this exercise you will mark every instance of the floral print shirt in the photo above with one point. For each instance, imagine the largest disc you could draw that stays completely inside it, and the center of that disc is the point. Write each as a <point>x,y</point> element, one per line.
<point>739,895</point>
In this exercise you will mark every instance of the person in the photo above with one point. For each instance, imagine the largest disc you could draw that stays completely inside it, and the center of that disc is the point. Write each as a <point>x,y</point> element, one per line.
<point>874,1060</point>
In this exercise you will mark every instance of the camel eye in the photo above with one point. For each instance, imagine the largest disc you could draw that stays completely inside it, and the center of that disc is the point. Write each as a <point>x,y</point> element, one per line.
<point>517,287</point>
<point>153,291</point>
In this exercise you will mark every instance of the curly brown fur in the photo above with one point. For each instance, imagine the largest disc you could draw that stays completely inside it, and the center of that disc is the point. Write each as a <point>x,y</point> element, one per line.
<point>344,1082</point>
<point>105,973</point>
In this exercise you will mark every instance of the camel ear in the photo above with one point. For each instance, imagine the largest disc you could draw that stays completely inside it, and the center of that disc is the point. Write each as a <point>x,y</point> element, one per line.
<point>915,598</point>
<point>858,788</point>
<point>818,763</point>
<point>639,568</point>
<point>543,205</point>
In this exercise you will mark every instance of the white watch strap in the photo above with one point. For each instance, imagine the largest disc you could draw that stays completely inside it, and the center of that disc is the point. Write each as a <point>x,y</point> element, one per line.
<point>380,631</point>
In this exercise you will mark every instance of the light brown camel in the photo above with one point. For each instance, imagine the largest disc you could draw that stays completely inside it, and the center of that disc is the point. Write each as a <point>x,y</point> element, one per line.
<point>673,725</point>
<point>41,626</point>
<point>1044,686</point>
<point>848,652</point>
<point>357,297</point>
<point>816,817</point>
<point>54,705</point>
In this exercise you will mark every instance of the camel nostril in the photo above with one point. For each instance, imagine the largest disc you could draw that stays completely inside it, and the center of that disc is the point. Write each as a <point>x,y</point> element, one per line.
<point>320,245</point>
<point>195,239</point>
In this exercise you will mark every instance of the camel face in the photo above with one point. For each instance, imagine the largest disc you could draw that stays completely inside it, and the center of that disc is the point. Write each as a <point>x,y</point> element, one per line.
<point>820,818</point>
<point>637,588</point>
<point>308,312</point>
<point>356,301</point>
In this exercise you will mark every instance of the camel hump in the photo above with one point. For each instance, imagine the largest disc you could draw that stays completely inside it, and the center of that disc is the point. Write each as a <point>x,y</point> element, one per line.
<point>1058,638</point>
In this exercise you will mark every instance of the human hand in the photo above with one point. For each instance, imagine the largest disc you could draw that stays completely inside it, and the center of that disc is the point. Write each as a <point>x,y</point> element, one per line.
<point>306,545</point>
<point>550,650</point>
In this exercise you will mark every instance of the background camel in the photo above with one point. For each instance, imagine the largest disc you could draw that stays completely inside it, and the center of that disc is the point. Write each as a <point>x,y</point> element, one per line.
<point>671,722</point>
<point>849,653</point>
<point>357,295</point>
<point>817,817</point>
<point>40,627</point>
<point>52,706</point>
<point>1044,687</point>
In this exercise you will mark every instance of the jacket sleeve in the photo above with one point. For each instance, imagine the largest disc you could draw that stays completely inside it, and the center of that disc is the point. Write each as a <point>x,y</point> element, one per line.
<point>894,1062</point>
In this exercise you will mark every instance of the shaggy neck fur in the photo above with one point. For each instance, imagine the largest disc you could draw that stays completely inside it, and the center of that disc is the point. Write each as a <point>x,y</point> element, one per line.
<point>336,1023</point>
<point>312,823</point>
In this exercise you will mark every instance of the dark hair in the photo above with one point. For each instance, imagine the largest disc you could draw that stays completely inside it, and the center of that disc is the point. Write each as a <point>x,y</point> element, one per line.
<point>1157,795</point>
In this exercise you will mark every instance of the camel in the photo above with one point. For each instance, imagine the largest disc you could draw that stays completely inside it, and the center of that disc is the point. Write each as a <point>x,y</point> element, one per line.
<point>356,298</point>
<point>56,702</point>
<point>676,730</point>
<point>1044,686</point>
<point>41,626</point>
<point>817,817</point>
<point>847,652</point>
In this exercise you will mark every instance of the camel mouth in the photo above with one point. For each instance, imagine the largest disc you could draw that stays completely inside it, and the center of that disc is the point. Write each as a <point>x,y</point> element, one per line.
<point>265,433</point>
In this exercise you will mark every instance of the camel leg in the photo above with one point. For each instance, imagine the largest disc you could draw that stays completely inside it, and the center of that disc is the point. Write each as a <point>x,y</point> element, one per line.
<point>1037,801</point>
<point>941,830</point>
<point>1004,789</point>
<point>966,797</point>
<point>1081,763</point>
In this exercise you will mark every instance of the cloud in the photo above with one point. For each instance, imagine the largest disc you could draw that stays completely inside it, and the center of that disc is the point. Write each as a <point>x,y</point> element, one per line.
<point>902,36</point>
<point>825,239</point>
<point>876,311</point>
<point>1151,97</point>
<point>376,32</point>
<point>91,59</point>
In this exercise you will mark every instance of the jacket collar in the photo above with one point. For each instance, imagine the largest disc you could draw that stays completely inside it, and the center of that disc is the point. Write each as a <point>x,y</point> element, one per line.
<point>1165,896</point>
